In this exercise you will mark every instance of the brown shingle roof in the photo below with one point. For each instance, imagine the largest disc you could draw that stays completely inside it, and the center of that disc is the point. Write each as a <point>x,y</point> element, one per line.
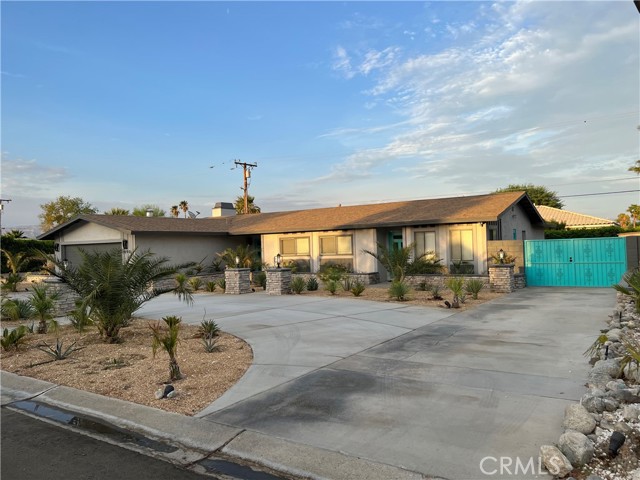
<point>477,208</point>
<point>571,219</point>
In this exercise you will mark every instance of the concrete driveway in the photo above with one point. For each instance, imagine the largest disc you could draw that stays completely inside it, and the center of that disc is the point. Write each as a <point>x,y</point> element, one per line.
<point>442,393</point>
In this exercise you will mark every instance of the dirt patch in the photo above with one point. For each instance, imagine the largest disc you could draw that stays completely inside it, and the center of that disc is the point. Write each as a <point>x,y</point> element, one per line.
<point>129,371</point>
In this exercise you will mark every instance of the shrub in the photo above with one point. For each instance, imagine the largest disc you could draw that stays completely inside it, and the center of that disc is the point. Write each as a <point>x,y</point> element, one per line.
<point>210,286</point>
<point>43,303</point>
<point>167,337</point>
<point>424,286</point>
<point>312,284</point>
<point>399,290</point>
<point>195,283</point>
<point>456,285</point>
<point>260,279</point>
<point>222,283</point>
<point>208,329</point>
<point>13,338</point>
<point>461,268</point>
<point>425,266</point>
<point>332,272</point>
<point>209,344</point>
<point>16,309</point>
<point>347,283</point>
<point>435,292</point>
<point>331,286</point>
<point>633,290</point>
<point>357,288</point>
<point>473,287</point>
<point>80,317</point>
<point>298,285</point>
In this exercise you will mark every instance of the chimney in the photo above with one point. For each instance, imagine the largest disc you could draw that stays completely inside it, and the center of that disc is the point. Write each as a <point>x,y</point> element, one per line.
<point>223,209</point>
<point>149,212</point>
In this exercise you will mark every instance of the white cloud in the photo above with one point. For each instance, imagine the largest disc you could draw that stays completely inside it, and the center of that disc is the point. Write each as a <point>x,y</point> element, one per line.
<point>342,62</point>
<point>22,177</point>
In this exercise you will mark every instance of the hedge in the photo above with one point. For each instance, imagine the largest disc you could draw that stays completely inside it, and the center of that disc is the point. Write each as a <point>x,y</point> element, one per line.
<point>27,245</point>
<point>587,232</point>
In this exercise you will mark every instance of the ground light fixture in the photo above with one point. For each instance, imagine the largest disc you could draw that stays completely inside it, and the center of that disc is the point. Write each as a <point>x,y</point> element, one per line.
<point>237,261</point>
<point>65,263</point>
<point>616,442</point>
<point>277,260</point>
<point>501,255</point>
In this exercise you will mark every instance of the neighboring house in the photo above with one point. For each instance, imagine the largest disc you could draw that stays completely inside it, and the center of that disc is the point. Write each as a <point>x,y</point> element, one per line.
<point>455,229</point>
<point>572,219</point>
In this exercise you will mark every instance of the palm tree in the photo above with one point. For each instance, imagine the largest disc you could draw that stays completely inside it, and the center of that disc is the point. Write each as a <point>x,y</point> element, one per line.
<point>636,167</point>
<point>175,211</point>
<point>634,213</point>
<point>184,206</point>
<point>624,220</point>
<point>15,233</point>
<point>167,338</point>
<point>16,262</point>
<point>246,255</point>
<point>395,261</point>
<point>112,289</point>
<point>43,304</point>
<point>117,211</point>
<point>251,206</point>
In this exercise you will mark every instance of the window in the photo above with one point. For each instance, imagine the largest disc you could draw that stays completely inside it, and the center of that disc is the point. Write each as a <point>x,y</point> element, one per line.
<point>336,245</point>
<point>294,246</point>
<point>461,245</point>
<point>425,243</point>
<point>515,234</point>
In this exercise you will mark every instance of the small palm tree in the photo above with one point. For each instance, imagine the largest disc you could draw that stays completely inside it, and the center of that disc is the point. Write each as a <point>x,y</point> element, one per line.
<point>15,233</point>
<point>251,206</point>
<point>247,255</point>
<point>117,211</point>
<point>624,220</point>
<point>43,304</point>
<point>395,261</point>
<point>184,206</point>
<point>167,338</point>
<point>175,211</point>
<point>16,262</point>
<point>634,213</point>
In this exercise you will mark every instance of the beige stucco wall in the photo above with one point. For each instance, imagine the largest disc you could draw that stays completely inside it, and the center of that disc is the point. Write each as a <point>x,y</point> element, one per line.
<point>88,233</point>
<point>362,239</point>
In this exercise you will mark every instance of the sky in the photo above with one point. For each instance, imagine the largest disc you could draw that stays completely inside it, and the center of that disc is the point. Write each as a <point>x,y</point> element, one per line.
<point>130,103</point>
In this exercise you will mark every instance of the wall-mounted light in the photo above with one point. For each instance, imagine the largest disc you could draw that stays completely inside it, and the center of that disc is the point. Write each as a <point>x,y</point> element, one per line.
<point>125,244</point>
<point>56,247</point>
<point>237,261</point>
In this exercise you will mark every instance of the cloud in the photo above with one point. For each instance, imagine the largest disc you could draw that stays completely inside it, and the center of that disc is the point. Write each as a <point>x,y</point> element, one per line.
<point>23,177</point>
<point>514,95</point>
<point>342,62</point>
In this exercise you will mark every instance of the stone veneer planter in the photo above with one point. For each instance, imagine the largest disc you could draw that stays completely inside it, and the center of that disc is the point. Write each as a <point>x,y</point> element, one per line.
<point>238,281</point>
<point>278,281</point>
<point>502,278</point>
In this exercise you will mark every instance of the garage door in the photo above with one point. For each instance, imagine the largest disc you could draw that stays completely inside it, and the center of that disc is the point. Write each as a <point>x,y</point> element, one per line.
<point>576,262</point>
<point>74,257</point>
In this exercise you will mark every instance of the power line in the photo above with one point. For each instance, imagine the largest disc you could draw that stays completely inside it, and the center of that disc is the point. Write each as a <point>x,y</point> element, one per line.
<point>594,194</point>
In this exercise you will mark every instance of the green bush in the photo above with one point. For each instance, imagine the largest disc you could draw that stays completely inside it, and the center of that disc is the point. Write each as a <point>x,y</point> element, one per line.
<point>461,268</point>
<point>13,338</point>
<point>586,232</point>
<point>399,290</point>
<point>195,283</point>
<point>260,279</point>
<point>312,284</point>
<point>80,317</point>
<point>632,279</point>
<point>298,285</point>
<point>16,309</point>
<point>58,352</point>
<point>222,283</point>
<point>331,286</point>
<point>424,266</point>
<point>28,247</point>
<point>424,286</point>
<point>332,272</point>
<point>208,329</point>
<point>347,283</point>
<point>210,286</point>
<point>435,292</point>
<point>473,287</point>
<point>357,288</point>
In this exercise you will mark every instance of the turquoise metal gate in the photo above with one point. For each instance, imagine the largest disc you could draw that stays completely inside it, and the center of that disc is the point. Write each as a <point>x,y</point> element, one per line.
<point>576,262</point>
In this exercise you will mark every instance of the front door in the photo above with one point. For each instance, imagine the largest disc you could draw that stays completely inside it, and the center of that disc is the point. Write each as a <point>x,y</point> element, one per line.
<point>395,240</point>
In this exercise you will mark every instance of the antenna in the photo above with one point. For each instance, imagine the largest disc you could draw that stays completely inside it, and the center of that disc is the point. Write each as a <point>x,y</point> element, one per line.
<point>246,175</point>
<point>193,215</point>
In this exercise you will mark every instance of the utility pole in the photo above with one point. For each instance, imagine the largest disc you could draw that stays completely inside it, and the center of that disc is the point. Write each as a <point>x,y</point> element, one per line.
<point>246,175</point>
<point>2,202</point>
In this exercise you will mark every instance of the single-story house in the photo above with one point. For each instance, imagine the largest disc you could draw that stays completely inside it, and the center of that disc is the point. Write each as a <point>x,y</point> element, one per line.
<point>572,219</point>
<point>454,229</point>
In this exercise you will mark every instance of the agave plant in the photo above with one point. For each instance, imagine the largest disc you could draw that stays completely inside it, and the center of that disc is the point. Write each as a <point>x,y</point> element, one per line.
<point>13,338</point>
<point>57,351</point>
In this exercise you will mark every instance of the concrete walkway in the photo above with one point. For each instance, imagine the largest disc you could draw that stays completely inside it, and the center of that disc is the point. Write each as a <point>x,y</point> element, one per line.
<point>346,388</point>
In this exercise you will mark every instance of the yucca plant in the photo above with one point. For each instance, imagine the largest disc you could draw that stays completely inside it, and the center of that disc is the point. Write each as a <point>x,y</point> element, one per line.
<point>222,283</point>
<point>260,279</point>
<point>44,302</point>
<point>80,317</point>
<point>357,288</point>
<point>347,283</point>
<point>312,284</point>
<point>473,287</point>
<point>195,283</point>
<point>166,336</point>
<point>456,285</point>
<point>435,292</point>
<point>58,352</point>
<point>399,290</point>
<point>183,287</point>
<point>632,279</point>
<point>210,344</point>
<point>424,286</point>
<point>15,263</point>
<point>208,329</point>
<point>631,356</point>
<point>13,338</point>
<point>331,286</point>
<point>298,285</point>
<point>210,286</point>
<point>594,349</point>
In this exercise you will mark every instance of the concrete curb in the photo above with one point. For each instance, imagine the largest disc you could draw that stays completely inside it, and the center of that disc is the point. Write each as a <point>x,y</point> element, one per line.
<point>200,437</point>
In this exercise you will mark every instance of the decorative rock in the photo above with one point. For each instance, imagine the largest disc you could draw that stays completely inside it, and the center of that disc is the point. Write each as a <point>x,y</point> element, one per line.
<point>165,391</point>
<point>622,428</point>
<point>592,404</point>
<point>554,461</point>
<point>603,372</point>
<point>616,384</point>
<point>576,447</point>
<point>627,395</point>
<point>577,418</point>
<point>610,405</point>
<point>631,412</point>
<point>594,477</point>
<point>614,334</point>
<point>635,475</point>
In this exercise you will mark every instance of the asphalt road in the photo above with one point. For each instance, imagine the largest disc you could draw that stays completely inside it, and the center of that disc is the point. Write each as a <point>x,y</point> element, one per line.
<point>34,449</point>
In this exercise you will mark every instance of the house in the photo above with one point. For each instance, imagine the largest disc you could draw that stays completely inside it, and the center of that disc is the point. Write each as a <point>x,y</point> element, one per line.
<point>454,229</point>
<point>572,219</point>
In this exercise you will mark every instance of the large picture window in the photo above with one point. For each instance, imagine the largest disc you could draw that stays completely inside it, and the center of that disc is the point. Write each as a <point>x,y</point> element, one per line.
<point>294,246</point>
<point>461,245</point>
<point>336,245</point>
<point>426,245</point>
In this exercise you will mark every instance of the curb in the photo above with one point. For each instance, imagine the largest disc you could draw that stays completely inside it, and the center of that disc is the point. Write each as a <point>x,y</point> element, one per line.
<point>197,438</point>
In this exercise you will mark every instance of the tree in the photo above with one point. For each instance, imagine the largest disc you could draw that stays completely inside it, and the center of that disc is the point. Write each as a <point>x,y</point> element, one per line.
<point>624,220</point>
<point>62,209</point>
<point>15,262</point>
<point>246,254</point>
<point>175,211</point>
<point>252,207</point>
<point>15,233</point>
<point>167,338</point>
<point>156,211</point>
<point>539,195</point>
<point>396,260</point>
<point>184,206</point>
<point>43,304</point>
<point>112,289</point>
<point>117,211</point>
<point>634,213</point>
<point>636,167</point>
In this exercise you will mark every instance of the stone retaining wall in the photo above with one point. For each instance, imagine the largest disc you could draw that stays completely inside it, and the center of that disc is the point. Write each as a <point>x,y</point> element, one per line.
<point>502,278</point>
<point>365,278</point>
